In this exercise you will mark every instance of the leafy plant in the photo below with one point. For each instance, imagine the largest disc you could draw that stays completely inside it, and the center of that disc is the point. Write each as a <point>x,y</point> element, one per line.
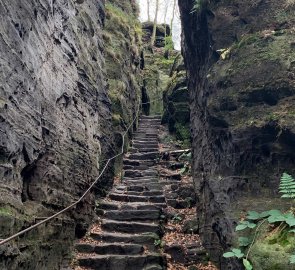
<point>244,225</point>
<point>247,264</point>
<point>235,252</point>
<point>255,220</point>
<point>176,218</point>
<point>287,186</point>
<point>244,241</point>
<point>159,243</point>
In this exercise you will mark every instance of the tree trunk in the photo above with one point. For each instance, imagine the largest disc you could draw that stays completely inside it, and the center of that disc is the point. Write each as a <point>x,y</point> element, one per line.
<point>165,17</point>
<point>173,15</point>
<point>148,10</point>
<point>153,38</point>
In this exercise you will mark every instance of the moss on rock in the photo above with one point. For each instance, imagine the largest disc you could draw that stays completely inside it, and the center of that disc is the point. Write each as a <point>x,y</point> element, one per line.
<point>273,250</point>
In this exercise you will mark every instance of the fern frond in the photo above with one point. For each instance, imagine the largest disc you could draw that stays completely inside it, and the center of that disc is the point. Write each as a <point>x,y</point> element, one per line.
<point>287,186</point>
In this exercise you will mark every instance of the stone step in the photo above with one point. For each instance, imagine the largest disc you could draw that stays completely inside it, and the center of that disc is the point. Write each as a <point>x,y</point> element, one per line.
<point>143,156</point>
<point>116,237</point>
<point>142,178</point>
<point>121,262</point>
<point>149,185</point>
<point>133,215</point>
<point>146,137</point>
<point>127,161</point>
<point>110,248</point>
<point>148,122</point>
<point>145,145</point>
<point>154,267</point>
<point>140,150</point>
<point>147,132</point>
<point>139,193</point>
<point>145,142</point>
<point>139,167</point>
<point>130,227</point>
<point>134,198</point>
<point>144,187</point>
<point>143,193</point>
<point>140,173</point>
<point>115,205</point>
<point>145,118</point>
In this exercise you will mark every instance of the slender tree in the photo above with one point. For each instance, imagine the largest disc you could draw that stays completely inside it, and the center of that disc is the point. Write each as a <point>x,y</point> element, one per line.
<point>173,15</point>
<point>165,17</point>
<point>153,38</point>
<point>148,10</point>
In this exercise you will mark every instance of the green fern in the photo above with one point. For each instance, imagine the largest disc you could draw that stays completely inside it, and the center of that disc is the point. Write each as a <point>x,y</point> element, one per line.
<point>287,186</point>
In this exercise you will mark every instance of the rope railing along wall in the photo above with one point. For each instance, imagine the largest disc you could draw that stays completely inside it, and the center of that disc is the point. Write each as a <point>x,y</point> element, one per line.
<point>46,220</point>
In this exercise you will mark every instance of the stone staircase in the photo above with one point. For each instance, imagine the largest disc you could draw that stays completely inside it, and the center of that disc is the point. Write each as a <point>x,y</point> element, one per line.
<point>130,217</point>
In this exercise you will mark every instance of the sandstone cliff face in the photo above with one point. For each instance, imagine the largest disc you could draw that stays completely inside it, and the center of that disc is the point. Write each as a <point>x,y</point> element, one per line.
<point>56,124</point>
<point>122,37</point>
<point>241,110</point>
<point>176,102</point>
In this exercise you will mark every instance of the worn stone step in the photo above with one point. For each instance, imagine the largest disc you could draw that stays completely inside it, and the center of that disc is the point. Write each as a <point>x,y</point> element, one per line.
<point>173,176</point>
<point>127,161</point>
<point>110,248</point>
<point>144,183</point>
<point>145,193</point>
<point>152,128</point>
<point>134,141</point>
<point>140,173</point>
<point>151,206</point>
<point>154,267</point>
<point>134,238</point>
<point>115,205</point>
<point>147,117</point>
<point>139,193</point>
<point>145,145</point>
<point>142,150</point>
<point>146,137</point>
<point>133,215</point>
<point>139,167</point>
<point>144,156</point>
<point>141,188</point>
<point>134,198</point>
<point>130,227</point>
<point>140,180</point>
<point>120,262</point>
<point>149,185</point>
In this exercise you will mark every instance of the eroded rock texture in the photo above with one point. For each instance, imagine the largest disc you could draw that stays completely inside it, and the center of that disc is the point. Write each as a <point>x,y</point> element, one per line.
<point>176,102</point>
<point>241,110</point>
<point>55,123</point>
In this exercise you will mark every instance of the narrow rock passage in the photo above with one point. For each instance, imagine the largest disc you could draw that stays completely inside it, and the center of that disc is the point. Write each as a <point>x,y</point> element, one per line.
<point>130,220</point>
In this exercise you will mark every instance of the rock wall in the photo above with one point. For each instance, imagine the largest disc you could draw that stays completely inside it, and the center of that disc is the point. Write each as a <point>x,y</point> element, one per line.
<point>241,110</point>
<point>56,124</point>
<point>122,37</point>
<point>176,103</point>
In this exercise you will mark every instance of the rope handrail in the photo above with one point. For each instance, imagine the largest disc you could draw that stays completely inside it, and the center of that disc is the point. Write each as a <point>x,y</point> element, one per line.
<point>4,241</point>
